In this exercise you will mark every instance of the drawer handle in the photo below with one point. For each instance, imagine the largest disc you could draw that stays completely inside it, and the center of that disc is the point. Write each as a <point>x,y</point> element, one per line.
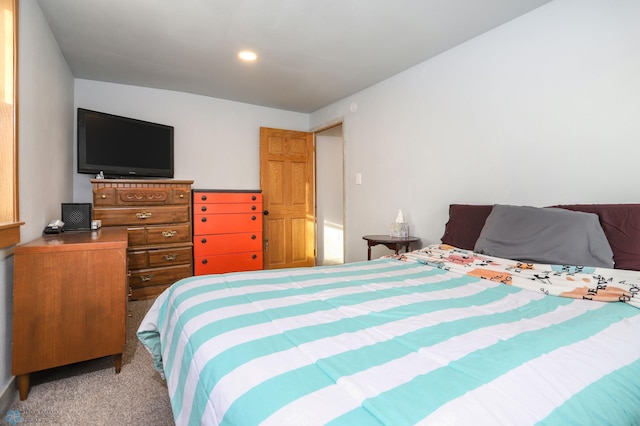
<point>203,241</point>
<point>253,218</point>
<point>169,234</point>
<point>181,195</point>
<point>203,198</point>
<point>255,256</point>
<point>170,257</point>
<point>203,208</point>
<point>204,261</point>
<point>145,278</point>
<point>204,219</point>
<point>253,237</point>
<point>253,198</point>
<point>253,207</point>
<point>143,215</point>
<point>103,196</point>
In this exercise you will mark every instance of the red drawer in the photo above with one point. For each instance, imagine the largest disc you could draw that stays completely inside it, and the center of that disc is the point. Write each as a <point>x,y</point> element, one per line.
<point>227,243</point>
<point>227,208</point>
<point>227,197</point>
<point>237,262</point>
<point>226,223</point>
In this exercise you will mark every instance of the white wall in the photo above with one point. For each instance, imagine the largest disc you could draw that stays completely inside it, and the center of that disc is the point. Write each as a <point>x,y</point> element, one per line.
<point>216,142</point>
<point>45,129</point>
<point>46,123</point>
<point>539,111</point>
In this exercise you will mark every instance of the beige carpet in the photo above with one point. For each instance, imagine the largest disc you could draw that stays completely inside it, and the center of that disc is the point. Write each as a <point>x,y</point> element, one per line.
<point>90,393</point>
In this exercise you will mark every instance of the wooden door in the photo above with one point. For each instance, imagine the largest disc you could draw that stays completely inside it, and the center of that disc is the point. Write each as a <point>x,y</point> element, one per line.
<point>287,183</point>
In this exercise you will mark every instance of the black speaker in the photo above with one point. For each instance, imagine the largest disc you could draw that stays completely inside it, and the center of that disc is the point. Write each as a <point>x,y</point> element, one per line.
<point>76,216</point>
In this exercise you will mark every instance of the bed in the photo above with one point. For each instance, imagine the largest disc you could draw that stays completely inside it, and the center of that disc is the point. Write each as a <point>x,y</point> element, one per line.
<point>447,334</point>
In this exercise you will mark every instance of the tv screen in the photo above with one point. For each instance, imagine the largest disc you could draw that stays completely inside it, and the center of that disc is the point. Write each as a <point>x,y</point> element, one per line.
<point>123,147</point>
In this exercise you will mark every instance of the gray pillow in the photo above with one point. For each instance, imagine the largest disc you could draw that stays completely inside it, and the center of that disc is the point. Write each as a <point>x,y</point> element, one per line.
<point>545,235</point>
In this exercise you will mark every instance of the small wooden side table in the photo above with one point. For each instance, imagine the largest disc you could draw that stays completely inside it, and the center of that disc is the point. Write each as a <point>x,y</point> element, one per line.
<point>69,301</point>
<point>393,243</point>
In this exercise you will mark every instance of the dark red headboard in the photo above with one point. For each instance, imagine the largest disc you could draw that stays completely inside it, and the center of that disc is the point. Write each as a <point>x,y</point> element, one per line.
<point>620,222</point>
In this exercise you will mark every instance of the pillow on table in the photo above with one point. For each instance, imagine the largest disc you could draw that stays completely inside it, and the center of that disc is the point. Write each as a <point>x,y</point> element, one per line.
<point>545,235</point>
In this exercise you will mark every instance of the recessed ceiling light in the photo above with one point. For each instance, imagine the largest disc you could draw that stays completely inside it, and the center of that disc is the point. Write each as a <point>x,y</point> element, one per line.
<point>247,55</point>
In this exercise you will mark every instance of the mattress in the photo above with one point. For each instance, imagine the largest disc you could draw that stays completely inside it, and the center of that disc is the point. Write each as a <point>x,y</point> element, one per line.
<point>438,336</point>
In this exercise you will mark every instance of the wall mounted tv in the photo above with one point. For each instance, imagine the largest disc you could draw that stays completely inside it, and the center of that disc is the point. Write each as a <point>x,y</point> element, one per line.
<point>122,147</point>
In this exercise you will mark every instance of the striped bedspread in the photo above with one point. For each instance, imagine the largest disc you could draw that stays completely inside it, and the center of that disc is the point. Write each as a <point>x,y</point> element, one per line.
<point>391,342</point>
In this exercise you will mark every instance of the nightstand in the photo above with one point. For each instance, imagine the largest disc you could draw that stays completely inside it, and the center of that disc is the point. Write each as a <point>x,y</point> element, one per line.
<point>69,301</point>
<point>393,243</point>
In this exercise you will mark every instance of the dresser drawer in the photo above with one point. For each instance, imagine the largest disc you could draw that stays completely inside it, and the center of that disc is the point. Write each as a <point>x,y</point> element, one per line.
<point>181,196</point>
<point>140,196</point>
<point>141,215</point>
<point>150,292</point>
<point>226,197</point>
<point>142,259</point>
<point>164,234</point>
<point>227,243</point>
<point>138,259</point>
<point>160,234</point>
<point>227,223</point>
<point>158,276</point>
<point>137,236</point>
<point>172,256</point>
<point>150,282</point>
<point>218,264</point>
<point>227,208</point>
<point>104,197</point>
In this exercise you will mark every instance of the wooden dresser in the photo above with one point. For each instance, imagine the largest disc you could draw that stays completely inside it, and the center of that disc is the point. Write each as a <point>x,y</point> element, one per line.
<point>227,231</point>
<point>157,214</point>
<point>69,301</point>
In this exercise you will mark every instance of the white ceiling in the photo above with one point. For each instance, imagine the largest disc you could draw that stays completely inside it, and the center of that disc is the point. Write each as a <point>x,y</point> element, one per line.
<point>311,53</point>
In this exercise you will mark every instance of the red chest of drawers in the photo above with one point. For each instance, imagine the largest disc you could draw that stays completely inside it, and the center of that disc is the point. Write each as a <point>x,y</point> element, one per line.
<point>227,231</point>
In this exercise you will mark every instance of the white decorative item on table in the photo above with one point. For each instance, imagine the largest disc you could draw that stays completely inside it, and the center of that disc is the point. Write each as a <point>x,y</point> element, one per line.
<point>400,228</point>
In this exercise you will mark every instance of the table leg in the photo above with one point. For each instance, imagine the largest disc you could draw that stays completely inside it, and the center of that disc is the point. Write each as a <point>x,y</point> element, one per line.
<point>368,251</point>
<point>117,361</point>
<point>23,385</point>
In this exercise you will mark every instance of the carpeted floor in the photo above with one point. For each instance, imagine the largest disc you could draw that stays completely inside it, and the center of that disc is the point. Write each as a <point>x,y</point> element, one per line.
<point>90,393</point>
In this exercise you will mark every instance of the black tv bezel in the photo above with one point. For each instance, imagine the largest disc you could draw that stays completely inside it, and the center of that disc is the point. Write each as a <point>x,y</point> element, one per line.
<point>115,171</point>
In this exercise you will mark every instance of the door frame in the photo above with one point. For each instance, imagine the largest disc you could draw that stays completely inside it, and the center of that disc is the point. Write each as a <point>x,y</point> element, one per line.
<point>318,129</point>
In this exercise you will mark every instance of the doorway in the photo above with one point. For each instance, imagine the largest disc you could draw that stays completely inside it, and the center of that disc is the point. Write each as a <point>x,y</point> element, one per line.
<point>329,144</point>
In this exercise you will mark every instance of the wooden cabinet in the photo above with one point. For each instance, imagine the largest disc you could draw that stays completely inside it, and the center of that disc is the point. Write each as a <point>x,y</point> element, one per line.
<point>69,301</point>
<point>227,231</point>
<point>157,214</point>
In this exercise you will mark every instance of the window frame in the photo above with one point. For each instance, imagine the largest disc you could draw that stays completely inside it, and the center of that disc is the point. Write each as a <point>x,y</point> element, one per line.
<point>9,221</point>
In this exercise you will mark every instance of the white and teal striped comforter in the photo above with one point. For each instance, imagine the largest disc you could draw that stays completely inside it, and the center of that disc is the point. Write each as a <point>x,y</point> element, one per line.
<point>390,342</point>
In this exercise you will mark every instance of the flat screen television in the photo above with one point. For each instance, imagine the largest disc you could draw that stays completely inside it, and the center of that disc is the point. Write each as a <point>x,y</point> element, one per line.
<point>122,147</point>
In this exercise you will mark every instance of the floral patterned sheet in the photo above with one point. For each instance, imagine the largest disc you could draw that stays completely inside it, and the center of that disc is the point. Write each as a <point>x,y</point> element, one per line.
<point>578,282</point>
